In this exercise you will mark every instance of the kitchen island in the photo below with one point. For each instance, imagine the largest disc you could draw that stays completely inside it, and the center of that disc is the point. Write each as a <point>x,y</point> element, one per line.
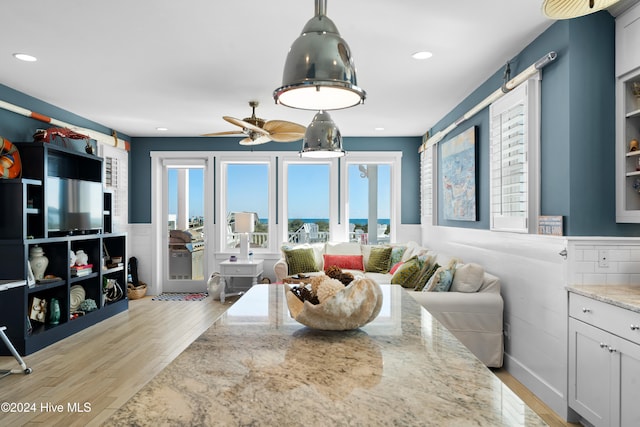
<point>257,366</point>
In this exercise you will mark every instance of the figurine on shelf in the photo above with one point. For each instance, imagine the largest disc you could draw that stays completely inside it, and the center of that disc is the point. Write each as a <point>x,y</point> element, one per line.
<point>81,257</point>
<point>633,145</point>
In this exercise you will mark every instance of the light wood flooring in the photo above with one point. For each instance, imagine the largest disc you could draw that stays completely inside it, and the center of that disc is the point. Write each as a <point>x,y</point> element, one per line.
<point>106,364</point>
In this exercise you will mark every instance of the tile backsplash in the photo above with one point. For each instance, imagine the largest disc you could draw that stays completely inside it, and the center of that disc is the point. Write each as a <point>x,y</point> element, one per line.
<point>603,261</point>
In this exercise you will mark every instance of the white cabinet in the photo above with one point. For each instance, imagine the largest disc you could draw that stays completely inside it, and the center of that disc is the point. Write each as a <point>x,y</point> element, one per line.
<point>628,115</point>
<point>604,362</point>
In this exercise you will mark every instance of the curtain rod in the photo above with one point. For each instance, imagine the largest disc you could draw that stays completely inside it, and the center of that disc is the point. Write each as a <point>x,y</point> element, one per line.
<point>499,93</point>
<point>103,138</point>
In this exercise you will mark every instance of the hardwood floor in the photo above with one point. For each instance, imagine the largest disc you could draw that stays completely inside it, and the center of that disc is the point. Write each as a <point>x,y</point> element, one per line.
<point>106,364</point>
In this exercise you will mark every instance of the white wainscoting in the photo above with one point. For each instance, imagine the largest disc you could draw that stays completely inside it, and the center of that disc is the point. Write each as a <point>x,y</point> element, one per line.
<point>533,285</point>
<point>140,245</point>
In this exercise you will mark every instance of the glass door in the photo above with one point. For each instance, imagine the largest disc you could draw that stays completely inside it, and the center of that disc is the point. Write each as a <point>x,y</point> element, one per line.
<point>185,252</point>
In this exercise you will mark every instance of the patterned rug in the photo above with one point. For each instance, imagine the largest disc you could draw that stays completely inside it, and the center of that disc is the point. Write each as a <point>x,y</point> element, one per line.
<point>180,296</point>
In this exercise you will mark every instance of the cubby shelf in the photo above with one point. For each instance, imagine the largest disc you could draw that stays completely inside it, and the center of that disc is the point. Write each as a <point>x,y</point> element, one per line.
<point>25,225</point>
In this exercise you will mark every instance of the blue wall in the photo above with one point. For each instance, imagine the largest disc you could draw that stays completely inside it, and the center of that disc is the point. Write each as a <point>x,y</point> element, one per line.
<point>577,128</point>
<point>18,128</point>
<point>140,166</point>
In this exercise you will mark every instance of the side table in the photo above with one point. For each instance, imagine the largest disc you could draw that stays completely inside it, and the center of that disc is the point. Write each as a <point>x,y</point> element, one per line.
<point>241,268</point>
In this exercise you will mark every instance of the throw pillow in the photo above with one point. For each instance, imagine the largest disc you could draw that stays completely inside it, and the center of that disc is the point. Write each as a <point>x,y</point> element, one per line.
<point>349,262</point>
<point>300,260</point>
<point>395,267</point>
<point>441,279</point>
<point>426,272</point>
<point>379,259</point>
<point>467,278</point>
<point>406,274</point>
<point>396,254</point>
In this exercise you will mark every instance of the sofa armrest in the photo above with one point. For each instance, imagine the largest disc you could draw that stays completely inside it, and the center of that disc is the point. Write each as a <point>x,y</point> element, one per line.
<point>281,269</point>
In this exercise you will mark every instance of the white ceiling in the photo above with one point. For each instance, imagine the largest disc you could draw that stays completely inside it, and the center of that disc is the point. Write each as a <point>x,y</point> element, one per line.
<point>137,65</point>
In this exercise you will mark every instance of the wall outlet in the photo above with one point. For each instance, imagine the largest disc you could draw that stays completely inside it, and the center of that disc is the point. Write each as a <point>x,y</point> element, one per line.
<point>603,258</point>
<point>507,331</point>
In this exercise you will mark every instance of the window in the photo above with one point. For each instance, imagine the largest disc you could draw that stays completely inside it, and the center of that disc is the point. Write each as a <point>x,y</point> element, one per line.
<point>514,124</point>
<point>308,201</point>
<point>246,189</point>
<point>369,203</point>
<point>427,174</point>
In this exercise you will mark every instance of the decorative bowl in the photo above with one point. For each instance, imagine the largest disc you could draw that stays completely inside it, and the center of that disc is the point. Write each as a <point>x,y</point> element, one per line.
<point>349,308</point>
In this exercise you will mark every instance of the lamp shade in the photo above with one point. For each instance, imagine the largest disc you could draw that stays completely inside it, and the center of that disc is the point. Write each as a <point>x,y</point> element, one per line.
<point>319,73</point>
<point>244,222</point>
<point>322,138</point>
<point>567,9</point>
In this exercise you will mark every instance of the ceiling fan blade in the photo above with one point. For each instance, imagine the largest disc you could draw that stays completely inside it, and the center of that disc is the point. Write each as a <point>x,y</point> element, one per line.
<point>261,140</point>
<point>287,137</point>
<point>245,125</point>
<point>228,132</point>
<point>283,126</point>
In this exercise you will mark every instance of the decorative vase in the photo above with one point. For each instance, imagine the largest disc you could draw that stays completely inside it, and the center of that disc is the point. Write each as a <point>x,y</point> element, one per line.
<point>54,312</point>
<point>81,257</point>
<point>38,262</point>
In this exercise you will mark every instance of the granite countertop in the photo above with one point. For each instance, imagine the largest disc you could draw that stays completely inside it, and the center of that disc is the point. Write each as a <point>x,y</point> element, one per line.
<point>257,366</point>
<point>625,296</point>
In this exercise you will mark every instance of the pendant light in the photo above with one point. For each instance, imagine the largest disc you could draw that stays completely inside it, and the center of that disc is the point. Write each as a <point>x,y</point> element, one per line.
<point>319,73</point>
<point>567,9</point>
<point>322,138</point>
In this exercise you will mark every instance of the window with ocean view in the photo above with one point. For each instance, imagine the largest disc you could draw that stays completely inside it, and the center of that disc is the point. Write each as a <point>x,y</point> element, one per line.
<point>247,190</point>
<point>308,202</point>
<point>369,202</point>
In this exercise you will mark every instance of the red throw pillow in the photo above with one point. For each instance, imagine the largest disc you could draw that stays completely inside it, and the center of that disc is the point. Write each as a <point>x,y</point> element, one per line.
<point>395,267</point>
<point>349,262</point>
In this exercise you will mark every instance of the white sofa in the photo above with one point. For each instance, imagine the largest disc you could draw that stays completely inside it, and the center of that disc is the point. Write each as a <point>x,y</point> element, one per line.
<point>475,318</point>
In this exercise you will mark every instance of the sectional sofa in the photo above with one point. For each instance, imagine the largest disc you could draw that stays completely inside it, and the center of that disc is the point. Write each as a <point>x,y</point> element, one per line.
<point>471,308</point>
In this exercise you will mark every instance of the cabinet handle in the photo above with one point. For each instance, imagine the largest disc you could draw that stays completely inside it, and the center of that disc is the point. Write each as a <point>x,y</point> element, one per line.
<point>586,310</point>
<point>635,327</point>
<point>603,345</point>
<point>612,350</point>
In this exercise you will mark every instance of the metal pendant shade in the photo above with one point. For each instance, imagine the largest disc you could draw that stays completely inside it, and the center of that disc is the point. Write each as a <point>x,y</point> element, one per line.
<point>319,72</point>
<point>322,138</point>
<point>567,9</point>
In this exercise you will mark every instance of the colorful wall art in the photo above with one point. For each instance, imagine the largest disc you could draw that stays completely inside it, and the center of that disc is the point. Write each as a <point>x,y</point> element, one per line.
<point>459,176</point>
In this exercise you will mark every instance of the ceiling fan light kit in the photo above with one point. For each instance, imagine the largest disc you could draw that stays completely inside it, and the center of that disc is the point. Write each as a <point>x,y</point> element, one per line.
<point>567,9</point>
<point>319,72</point>
<point>322,139</point>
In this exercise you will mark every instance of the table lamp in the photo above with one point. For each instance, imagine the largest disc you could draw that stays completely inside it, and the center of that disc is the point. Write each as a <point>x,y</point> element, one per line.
<point>244,224</point>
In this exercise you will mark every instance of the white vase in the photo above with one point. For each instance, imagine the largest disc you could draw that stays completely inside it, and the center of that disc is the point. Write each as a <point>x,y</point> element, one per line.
<point>81,257</point>
<point>38,262</point>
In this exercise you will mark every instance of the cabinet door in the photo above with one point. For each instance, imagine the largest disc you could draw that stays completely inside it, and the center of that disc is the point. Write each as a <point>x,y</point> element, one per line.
<point>627,36</point>
<point>590,368</point>
<point>629,354</point>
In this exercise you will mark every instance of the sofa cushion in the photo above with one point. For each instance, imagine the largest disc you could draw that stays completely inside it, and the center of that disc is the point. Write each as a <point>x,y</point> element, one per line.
<point>318,251</point>
<point>407,273</point>
<point>351,262</point>
<point>300,260</point>
<point>395,267</point>
<point>426,272</point>
<point>442,279</point>
<point>396,254</point>
<point>467,278</point>
<point>379,259</point>
<point>342,248</point>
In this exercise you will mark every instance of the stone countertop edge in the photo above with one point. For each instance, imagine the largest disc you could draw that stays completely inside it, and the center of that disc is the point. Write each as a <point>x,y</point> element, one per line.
<point>624,296</point>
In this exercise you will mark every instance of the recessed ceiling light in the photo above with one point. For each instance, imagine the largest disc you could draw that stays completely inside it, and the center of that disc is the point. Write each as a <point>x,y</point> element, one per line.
<point>162,129</point>
<point>422,55</point>
<point>25,57</point>
<point>379,129</point>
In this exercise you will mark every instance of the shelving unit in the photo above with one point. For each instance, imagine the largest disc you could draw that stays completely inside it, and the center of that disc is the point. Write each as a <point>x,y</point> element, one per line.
<point>627,117</point>
<point>24,224</point>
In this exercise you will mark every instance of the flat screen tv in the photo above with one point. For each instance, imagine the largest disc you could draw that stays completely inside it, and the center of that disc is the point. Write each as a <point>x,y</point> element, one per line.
<point>73,206</point>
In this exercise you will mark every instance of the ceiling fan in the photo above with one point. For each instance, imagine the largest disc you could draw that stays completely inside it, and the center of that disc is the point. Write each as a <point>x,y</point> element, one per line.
<point>260,131</point>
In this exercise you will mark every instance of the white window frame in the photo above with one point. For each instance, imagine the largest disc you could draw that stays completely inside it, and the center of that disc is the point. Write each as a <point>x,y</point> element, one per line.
<point>119,185</point>
<point>223,160</point>
<point>287,159</point>
<point>528,95</point>
<point>391,158</point>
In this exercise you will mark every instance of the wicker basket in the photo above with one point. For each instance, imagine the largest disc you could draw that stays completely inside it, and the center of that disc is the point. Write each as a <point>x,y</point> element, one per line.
<point>136,292</point>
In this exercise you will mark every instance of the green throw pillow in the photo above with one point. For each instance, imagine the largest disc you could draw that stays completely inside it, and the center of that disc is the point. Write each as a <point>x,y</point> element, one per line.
<point>300,260</point>
<point>379,259</point>
<point>425,274</point>
<point>406,274</point>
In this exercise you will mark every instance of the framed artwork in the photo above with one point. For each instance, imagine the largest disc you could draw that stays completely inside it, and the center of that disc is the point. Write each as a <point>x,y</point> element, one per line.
<point>459,177</point>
